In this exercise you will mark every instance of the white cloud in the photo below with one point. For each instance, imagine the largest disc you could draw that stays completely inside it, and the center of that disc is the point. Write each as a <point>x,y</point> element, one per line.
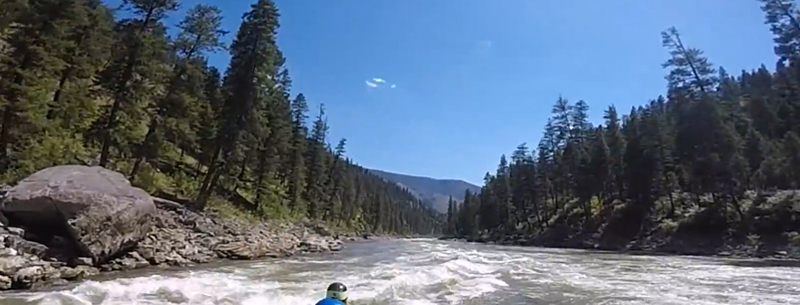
<point>482,48</point>
<point>376,82</point>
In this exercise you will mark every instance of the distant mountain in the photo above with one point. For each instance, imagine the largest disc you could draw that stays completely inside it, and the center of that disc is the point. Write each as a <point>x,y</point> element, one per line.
<point>435,192</point>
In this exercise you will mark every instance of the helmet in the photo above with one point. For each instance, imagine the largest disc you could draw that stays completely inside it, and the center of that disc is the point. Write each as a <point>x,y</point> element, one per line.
<point>337,291</point>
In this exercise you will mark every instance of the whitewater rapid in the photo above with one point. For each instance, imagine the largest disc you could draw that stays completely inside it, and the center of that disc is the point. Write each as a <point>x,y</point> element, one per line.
<point>425,271</point>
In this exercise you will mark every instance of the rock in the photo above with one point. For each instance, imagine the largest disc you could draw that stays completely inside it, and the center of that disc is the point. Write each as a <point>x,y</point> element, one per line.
<point>97,208</point>
<point>35,275</point>
<point>9,265</point>
<point>175,259</point>
<point>314,244</point>
<point>175,235</point>
<point>167,204</point>
<point>5,282</point>
<point>8,252</point>
<point>130,261</point>
<point>4,190</point>
<point>3,220</point>
<point>52,272</point>
<point>27,276</point>
<point>25,246</point>
<point>83,261</point>
<point>335,245</point>
<point>244,250</point>
<point>16,231</point>
<point>322,230</point>
<point>171,296</point>
<point>78,272</point>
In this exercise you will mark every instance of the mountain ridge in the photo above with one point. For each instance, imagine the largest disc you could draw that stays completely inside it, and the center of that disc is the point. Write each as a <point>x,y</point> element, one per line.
<point>435,192</point>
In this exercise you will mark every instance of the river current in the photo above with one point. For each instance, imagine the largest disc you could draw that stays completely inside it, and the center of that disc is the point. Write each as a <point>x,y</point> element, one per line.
<point>426,271</point>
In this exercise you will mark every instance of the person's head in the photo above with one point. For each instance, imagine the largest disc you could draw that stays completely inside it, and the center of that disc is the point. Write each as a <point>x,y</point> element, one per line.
<point>337,291</point>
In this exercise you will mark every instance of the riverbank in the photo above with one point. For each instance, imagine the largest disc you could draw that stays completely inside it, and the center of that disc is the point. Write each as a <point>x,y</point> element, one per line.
<point>35,255</point>
<point>764,226</point>
<point>732,251</point>
<point>180,238</point>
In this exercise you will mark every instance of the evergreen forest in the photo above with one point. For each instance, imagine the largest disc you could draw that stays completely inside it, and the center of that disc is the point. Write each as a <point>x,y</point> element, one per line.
<point>81,85</point>
<point>713,163</point>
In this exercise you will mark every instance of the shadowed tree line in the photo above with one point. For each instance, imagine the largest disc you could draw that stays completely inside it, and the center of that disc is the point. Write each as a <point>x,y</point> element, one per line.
<point>78,85</point>
<point>710,164</point>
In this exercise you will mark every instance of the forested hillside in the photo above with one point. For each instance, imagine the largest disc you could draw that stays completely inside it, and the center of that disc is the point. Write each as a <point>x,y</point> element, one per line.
<point>78,86</point>
<point>435,192</point>
<point>710,166</point>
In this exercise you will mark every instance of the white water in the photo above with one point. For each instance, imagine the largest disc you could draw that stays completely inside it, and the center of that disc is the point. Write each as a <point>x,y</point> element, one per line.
<point>434,272</point>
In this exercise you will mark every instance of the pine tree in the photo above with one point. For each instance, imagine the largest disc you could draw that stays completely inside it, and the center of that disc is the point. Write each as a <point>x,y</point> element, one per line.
<point>782,16</point>
<point>75,83</point>
<point>691,72</point>
<point>135,68</point>
<point>791,153</point>
<point>317,165</point>
<point>34,59</point>
<point>714,137</point>
<point>599,168</point>
<point>616,149</point>
<point>297,165</point>
<point>336,178</point>
<point>12,9</point>
<point>200,33</point>
<point>84,55</point>
<point>208,121</point>
<point>252,64</point>
<point>521,177</point>
<point>451,216</point>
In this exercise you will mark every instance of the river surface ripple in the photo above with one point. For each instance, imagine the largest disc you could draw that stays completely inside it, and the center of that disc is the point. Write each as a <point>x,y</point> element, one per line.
<point>426,271</point>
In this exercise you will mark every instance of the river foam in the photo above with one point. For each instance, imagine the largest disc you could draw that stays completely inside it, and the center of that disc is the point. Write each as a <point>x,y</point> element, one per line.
<point>431,273</point>
<point>423,272</point>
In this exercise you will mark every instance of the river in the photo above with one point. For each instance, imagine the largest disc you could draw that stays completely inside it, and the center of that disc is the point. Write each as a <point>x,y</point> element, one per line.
<point>425,271</point>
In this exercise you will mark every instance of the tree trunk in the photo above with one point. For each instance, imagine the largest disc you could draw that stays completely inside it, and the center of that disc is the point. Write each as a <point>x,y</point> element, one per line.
<point>210,180</point>
<point>120,93</point>
<point>141,149</point>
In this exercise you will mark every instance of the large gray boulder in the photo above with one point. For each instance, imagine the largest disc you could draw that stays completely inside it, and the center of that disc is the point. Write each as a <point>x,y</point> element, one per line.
<point>93,208</point>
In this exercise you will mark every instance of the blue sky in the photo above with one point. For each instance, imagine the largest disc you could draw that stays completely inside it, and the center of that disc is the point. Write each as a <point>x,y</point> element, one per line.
<point>475,78</point>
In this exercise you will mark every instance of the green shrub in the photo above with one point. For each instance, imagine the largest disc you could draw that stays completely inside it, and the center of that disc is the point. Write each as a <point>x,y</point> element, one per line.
<point>668,226</point>
<point>792,238</point>
<point>753,240</point>
<point>226,209</point>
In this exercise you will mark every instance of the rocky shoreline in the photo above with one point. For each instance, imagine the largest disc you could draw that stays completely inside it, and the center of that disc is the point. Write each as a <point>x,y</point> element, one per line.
<point>180,238</point>
<point>740,251</point>
<point>174,236</point>
<point>762,225</point>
